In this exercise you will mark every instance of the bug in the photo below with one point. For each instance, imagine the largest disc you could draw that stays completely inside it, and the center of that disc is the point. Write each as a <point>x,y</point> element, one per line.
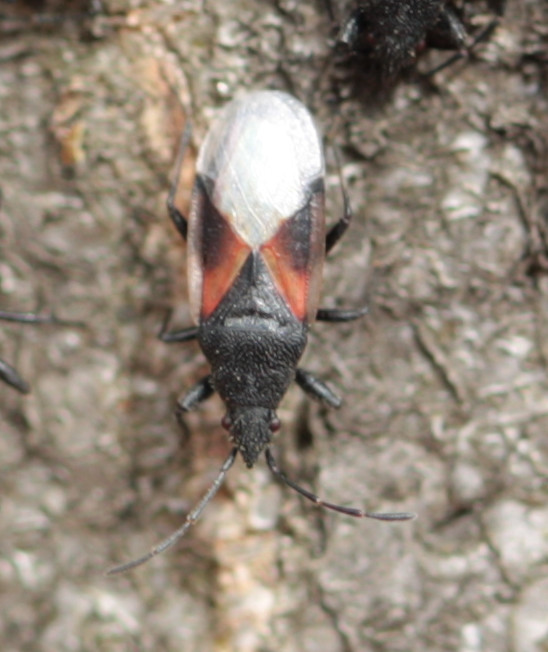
<point>385,36</point>
<point>256,242</point>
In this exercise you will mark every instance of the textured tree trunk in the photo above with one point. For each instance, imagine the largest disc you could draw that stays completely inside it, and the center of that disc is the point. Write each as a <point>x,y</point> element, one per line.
<point>445,381</point>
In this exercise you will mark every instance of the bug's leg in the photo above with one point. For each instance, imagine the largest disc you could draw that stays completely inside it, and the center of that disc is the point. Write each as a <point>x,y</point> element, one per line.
<point>349,31</point>
<point>349,511</point>
<point>317,389</point>
<point>333,236</point>
<point>449,34</point>
<point>177,217</point>
<point>200,392</point>
<point>498,6</point>
<point>329,8</point>
<point>184,335</point>
<point>11,376</point>
<point>336,232</point>
<point>341,314</point>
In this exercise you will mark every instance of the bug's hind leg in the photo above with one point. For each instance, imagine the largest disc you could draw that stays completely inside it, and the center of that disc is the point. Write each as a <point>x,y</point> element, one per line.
<point>338,229</point>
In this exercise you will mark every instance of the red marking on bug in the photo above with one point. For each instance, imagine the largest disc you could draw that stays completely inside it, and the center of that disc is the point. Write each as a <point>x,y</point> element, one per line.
<point>220,277</point>
<point>291,281</point>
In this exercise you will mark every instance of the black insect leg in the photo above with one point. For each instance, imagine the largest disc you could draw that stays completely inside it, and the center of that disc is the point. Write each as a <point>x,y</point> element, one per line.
<point>184,335</point>
<point>341,314</point>
<point>177,217</point>
<point>336,232</point>
<point>10,376</point>
<point>498,7</point>
<point>333,236</point>
<point>200,392</point>
<point>350,30</point>
<point>329,9</point>
<point>316,388</point>
<point>450,34</point>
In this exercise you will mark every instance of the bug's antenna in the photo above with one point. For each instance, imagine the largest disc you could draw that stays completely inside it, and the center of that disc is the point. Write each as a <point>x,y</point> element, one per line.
<point>349,511</point>
<point>191,518</point>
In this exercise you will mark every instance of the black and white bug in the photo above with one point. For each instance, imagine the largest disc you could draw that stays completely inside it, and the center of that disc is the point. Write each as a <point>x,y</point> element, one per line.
<point>256,244</point>
<point>385,36</point>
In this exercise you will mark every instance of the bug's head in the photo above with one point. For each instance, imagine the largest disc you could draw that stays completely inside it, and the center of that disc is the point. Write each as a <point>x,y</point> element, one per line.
<point>251,430</point>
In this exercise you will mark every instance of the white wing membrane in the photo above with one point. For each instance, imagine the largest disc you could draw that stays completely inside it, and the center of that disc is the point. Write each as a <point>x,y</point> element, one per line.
<point>260,165</point>
<point>262,154</point>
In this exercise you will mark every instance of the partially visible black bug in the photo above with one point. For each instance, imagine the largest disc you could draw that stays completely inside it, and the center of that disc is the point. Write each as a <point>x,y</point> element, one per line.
<point>45,15</point>
<point>256,243</point>
<point>385,36</point>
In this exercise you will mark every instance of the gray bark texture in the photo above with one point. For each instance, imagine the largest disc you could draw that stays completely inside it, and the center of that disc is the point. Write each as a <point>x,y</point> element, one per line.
<point>445,381</point>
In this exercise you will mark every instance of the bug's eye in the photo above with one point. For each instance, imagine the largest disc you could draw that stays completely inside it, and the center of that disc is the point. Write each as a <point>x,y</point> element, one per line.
<point>275,425</point>
<point>226,422</point>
